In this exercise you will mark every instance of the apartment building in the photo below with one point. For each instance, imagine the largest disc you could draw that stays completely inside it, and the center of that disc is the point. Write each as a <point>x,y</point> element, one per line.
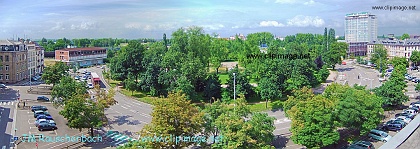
<point>39,62</point>
<point>396,48</point>
<point>83,57</point>
<point>360,29</point>
<point>13,61</point>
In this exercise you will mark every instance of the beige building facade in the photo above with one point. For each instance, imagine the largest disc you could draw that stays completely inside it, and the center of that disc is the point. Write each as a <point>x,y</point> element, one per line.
<point>396,48</point>
<point>13,61</point>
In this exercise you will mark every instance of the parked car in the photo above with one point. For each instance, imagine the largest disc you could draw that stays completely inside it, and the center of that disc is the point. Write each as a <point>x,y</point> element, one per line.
<point>51,122</point>
<point>84,77</point>
<point>88,73</point>
<point>413,79</point>
<point>42,127</point>
<point>89,85</point>
<point>103,67</point>
<point>411,116</point>
<point>43,116</point>
<point>379,135</point>
<point>396,121</point>
<point>362,145</point>
<point>403,118</point>
<point>42,98</point>
<point>76,77</point>
<point>40,121</point>
<point>3,86</point>
<point>414,68</point>
<point>37,108</point>
<point>417,80</point>
<point>410,111</point>
<point>394,127</point>
<point>415,108</point>
<point>40,112</point>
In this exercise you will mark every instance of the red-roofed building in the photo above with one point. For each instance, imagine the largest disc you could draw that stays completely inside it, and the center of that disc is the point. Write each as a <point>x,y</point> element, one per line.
<point>82,57</point>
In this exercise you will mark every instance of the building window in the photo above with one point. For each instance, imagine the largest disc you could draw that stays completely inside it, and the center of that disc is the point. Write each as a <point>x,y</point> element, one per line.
<point>1,76</point>
<point>7,58</point>
<point>7,68</point>
<point>1,67</point>
<point>1,58</point>
<point>7,76</point>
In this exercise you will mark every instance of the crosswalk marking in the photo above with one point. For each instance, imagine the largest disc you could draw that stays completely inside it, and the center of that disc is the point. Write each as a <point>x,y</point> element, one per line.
<point>6,103</point>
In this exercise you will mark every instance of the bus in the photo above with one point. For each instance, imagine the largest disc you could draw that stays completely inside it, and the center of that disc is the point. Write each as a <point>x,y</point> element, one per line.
<point>95,78</point>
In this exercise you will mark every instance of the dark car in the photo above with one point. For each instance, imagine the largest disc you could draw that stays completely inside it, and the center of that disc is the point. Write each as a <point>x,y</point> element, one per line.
<point>362,145</point>
<point>44,116</point>
<point>42,98</point>
<point>39,112</point>
<point>396,121</point>
<point>46,126</point>
<point>411,116</point>
<point>37,108</point>
<point>394,127</point>
<point>415,108</point>
<point>414,68</point>
<point>3,86</point>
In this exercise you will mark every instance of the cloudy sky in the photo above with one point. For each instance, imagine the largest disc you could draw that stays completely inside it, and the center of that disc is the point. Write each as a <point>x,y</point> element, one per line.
<point>152,18</point>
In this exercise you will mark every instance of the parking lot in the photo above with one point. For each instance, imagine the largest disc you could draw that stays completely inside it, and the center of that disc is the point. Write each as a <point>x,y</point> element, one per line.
<point>26,125</point>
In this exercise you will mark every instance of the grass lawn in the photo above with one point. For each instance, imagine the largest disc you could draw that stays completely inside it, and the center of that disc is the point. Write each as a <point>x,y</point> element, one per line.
<point>49,61</point>
<point>139,96</point>
<point>259,107</point>
<point>113,83</point>
<point>223,78</point>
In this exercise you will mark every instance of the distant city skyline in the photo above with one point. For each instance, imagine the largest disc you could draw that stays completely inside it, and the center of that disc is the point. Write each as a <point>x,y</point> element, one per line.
<point>151,19</point>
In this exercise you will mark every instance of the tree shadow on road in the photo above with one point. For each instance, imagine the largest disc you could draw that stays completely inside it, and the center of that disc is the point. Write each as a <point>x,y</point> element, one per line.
<point>121,120</point>
<point>280,141</point>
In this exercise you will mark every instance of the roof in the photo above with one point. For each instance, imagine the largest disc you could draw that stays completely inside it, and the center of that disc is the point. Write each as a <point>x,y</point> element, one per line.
<point>82,49</point>
<point>6,42</point>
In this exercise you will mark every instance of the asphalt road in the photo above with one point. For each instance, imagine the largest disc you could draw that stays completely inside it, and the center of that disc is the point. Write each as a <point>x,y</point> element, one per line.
<point>128,116</point>
<point>8,99</point>
<point>350,72</point>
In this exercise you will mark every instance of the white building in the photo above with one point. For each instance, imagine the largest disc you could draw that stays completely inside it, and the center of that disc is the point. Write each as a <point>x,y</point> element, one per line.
<point>360,27</point>
<point>396,48</point>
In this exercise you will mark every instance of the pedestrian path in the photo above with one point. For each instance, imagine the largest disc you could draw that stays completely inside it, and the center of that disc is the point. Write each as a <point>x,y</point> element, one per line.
<point>26,83</point>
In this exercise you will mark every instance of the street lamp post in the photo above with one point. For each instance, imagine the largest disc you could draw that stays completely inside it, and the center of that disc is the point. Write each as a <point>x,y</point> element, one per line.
<point>234,86</point>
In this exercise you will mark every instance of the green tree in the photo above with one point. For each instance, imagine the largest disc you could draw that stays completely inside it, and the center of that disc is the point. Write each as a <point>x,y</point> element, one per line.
<point>356,108</point>
<point>130,85</point>
<point>415,57</point>
<point>405,36</point>
<point>175,116</point>
<point>269,89</point>
<point>54,73</point>
<point>236,132</point>
<point>213,89</point>
<point>312,122</point>
<point>66,89</point>
<point>81,113</point>
<point>392,91</point>
<point>336,51</point>
<point>396,61</point>
<point>242,83</point>
<point>379,56</point>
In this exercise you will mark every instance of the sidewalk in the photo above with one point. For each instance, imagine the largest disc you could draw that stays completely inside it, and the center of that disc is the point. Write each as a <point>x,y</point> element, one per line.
<point>331,78</point>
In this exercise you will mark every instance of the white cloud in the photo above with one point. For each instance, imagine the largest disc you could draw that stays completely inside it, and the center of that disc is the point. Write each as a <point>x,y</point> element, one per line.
<point>133,25</point>
<point>84,26</point>
<point>271,23</point>
<point>213,26</point>
<point>304,21</point>
<point>309,2</point>
<point>58,26</point>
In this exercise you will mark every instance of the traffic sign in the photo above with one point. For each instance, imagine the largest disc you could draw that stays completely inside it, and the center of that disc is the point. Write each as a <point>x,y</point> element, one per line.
<point>15,138</point>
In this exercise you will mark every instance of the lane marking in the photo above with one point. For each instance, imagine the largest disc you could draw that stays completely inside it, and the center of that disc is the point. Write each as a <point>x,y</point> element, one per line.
<point>127,105</point>
<point>124,107</point>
